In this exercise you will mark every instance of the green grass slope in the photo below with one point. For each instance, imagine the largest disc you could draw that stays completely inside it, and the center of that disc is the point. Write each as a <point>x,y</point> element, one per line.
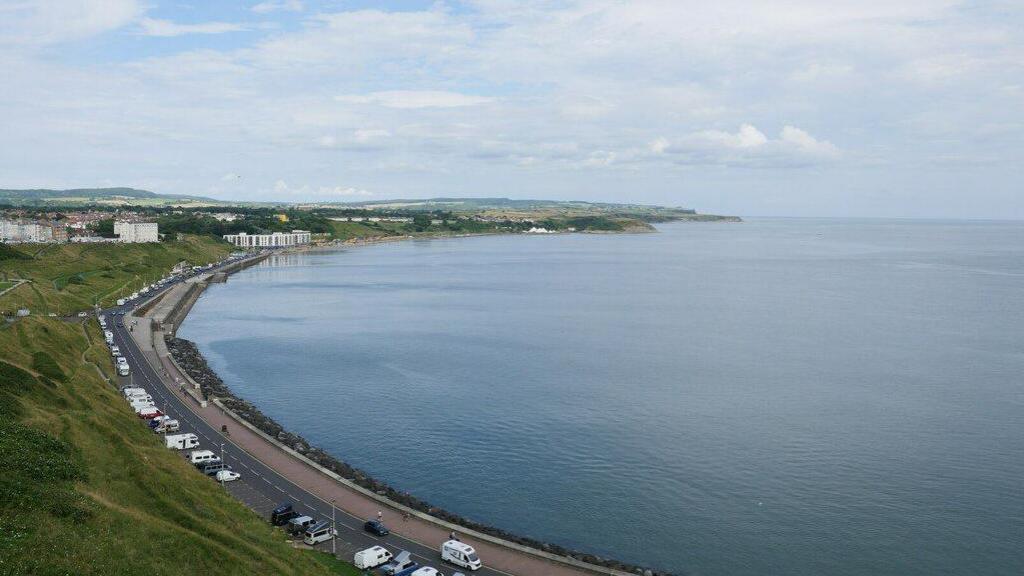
<point>88,489</point>
<point>70,277</point>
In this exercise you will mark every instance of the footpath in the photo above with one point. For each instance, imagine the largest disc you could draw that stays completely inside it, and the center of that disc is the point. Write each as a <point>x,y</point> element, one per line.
<point>497,554</point>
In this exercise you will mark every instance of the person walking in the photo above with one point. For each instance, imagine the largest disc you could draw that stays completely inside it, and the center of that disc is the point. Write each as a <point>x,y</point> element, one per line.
<point>380,516</point>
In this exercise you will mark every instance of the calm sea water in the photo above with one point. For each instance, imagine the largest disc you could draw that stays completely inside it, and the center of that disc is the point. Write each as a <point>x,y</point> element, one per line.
<point>773,397</point>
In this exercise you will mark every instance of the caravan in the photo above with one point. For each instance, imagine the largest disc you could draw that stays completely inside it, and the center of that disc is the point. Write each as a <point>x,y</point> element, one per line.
<point>460,554</point>
<point>181,441</point>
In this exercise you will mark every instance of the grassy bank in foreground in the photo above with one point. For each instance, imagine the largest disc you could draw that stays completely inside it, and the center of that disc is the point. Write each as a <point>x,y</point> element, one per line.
<point>66,278</point>
<point>88,489</point>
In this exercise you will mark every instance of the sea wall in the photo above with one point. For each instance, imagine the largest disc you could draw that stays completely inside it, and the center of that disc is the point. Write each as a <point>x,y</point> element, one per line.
<point>191,360</point>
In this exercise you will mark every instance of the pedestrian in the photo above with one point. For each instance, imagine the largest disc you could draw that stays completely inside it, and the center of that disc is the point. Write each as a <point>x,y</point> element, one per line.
<point>452,536</point>
<point>380,515</point>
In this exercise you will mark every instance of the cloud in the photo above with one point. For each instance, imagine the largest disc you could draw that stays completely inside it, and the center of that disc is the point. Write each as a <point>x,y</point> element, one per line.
<point>408,99</point>
<point>278,6</point>
<point>748,146</point>
<point>323,192</point>
<point>166,28</point>
<point>35,23</point>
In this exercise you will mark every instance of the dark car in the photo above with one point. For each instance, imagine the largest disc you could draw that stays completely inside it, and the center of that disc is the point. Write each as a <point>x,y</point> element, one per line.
<point>211,469</point>
<point>282,514</point>
<point>203,463</point>
<point>376,527</point>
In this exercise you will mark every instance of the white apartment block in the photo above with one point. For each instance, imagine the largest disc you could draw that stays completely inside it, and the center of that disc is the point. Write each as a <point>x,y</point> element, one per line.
<point>136,231</point>
<point>14,231</point>
<point>243,240</point>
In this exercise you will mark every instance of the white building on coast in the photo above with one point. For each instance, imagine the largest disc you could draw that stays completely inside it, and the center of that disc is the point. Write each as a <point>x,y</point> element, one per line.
<point>277,239</point>
<point>136,231</point>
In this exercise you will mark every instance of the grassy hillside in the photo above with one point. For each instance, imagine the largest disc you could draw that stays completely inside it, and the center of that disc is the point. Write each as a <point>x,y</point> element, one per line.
<point>81,196</point>
<point>87,489</point>
<point>69,277</point>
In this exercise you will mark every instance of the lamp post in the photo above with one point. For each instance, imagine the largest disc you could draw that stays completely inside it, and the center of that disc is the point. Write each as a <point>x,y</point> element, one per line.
<point>222,461</point>
<point>334,531</point>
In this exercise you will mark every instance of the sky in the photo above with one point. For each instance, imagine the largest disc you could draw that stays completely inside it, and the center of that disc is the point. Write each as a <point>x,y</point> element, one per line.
<point>890,108</point>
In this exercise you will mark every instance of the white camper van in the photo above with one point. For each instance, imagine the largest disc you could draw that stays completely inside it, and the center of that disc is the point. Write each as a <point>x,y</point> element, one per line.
<point>201,456</point>
<point>120,301</point>
<point>181,441</point>
<point>372,557</point>
<point>123,369</point>
<point>460,554</point>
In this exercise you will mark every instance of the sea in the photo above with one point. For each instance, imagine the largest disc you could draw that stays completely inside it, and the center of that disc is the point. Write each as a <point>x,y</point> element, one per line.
<point>777,396</point>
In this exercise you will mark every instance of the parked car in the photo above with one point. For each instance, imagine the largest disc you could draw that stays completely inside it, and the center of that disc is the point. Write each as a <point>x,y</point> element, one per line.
<point>201,457</point>
<point>299,524</point>
<point>212,468</point>
<point>371,557</point>
<point>427,571</point>
<point>320,532</point>
<point>460,554</point>
<point>282,514</point>
<point>156,421</point>
<point>123,369</point>
<point>403,561</point>
<point>148,412</point>
<point>376,527</point>
<point>167,426</point>
<point>227,476</point>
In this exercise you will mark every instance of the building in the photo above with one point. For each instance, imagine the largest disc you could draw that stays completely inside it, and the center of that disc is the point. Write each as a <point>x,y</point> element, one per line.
<point>277,239</point>
<point>15,231</point>
<point>136,231</point>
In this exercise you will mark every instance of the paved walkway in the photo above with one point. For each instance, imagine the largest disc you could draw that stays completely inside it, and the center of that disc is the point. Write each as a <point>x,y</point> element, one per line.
<point>326,488</point>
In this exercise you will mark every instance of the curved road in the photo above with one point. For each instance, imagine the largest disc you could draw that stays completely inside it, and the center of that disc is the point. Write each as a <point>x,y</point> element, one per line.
<point>262,488</point>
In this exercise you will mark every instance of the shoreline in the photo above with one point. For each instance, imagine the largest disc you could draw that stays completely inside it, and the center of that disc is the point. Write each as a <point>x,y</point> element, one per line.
<point>190,359</point>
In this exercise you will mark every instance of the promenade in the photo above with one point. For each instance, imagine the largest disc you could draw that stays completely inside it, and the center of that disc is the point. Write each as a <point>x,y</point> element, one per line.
<point>303,476</point>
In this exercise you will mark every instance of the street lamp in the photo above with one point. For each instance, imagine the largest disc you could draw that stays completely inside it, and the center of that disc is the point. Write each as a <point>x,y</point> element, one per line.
<point>222,462</point>
<point>334,533</point>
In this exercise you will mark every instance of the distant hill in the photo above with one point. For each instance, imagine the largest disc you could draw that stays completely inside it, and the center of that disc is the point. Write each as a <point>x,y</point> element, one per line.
<point>42,196</point>
<point>496,204</point>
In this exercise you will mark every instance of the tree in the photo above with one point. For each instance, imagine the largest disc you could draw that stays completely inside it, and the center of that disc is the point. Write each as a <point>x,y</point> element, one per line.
<point>421,222</point>
<point>104,228</point>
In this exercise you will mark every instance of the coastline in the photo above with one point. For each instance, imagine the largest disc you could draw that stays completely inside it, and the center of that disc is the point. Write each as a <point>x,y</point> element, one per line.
<point>189,358</point>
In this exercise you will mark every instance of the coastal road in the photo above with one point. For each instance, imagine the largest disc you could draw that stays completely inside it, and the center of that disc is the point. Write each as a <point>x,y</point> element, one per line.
<point>262,488</point>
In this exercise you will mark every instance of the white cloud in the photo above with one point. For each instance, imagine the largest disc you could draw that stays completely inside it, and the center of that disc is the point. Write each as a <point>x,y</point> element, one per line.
<point>415,99</point>
<point>319,192</point>
<point>278,6</point>
<point>166,28</point>
<point>748,146</point>
<point>32,23</point>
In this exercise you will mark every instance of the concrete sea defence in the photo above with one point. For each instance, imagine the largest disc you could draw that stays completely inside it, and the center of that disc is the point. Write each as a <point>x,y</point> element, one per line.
<point>190,360</point>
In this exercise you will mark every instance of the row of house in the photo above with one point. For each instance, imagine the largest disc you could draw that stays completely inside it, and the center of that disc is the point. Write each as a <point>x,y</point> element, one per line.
<point>275,240</point>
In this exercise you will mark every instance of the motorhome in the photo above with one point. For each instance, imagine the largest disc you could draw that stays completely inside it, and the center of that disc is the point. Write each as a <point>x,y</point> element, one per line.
<point>120,301</point>
<point>320,532</point>
<point>372,557</point>
<point>460,554</point>
<point>427,571</point>
<point>181,441</point>
<point>140,398</point>
<point>148,412</point>
<point>122,369</point>
<point>130,390</point>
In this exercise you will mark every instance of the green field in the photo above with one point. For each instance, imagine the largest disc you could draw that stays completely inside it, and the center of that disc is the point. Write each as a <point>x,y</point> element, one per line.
<point>66,278</point>
<point>88,489</point>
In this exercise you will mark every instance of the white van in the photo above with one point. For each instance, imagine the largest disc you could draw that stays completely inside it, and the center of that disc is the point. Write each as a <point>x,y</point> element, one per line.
<point>181,441</point>
<point>320,532</point>
<point>201,456</point>
<point>137,403</point>
<point>141,399</point>
<point>123,369</point>
<point>120,301</point>
<point>372,557</point>
<point>427,571</point>
<point>460,554</point>
<point>133,390</point>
